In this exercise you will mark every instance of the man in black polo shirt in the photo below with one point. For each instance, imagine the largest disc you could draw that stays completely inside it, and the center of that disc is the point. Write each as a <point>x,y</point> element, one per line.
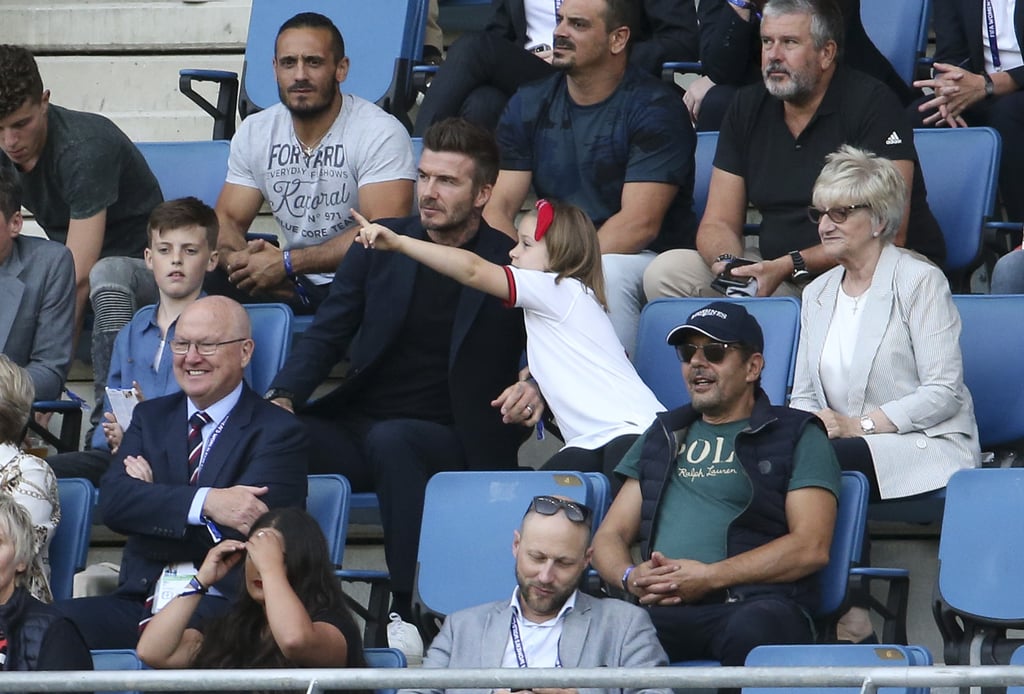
<point>772,146</point>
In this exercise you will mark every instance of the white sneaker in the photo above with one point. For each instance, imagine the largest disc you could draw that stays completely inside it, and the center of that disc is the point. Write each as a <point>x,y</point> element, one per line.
<point>406,638</point>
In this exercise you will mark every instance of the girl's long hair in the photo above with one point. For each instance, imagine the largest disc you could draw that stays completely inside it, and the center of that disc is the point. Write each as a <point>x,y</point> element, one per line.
<point>241,638</point>
<point>573,248</point>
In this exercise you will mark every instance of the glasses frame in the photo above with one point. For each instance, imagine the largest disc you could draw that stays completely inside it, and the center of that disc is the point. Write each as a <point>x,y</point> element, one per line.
<point>683,347</point>
<point>204,349</point>
<point>547,505</point>
<point>836,214</point>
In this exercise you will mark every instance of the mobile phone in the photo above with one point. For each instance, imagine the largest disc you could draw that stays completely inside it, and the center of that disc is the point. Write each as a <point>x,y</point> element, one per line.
<point>726,281</point>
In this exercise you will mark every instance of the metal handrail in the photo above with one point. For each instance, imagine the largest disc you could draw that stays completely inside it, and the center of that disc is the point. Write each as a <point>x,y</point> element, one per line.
<point>318,679</point>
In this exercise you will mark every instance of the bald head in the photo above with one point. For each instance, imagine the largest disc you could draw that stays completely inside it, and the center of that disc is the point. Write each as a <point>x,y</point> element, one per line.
<point>216,336</point>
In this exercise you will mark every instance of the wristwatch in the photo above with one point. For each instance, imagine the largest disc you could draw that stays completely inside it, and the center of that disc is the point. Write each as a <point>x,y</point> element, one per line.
<point>990,87</point>
<point>867,425</point>
<point>799,266</point>
<point>725,258</point>
<point>275,393</point>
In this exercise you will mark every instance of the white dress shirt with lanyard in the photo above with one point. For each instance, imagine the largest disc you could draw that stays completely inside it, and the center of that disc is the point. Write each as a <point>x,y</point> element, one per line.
<point>998,37</point>
<point>218,412</point>
<point>534,645</point>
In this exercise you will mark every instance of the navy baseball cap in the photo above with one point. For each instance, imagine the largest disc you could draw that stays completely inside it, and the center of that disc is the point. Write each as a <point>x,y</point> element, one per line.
<point>722,321</point>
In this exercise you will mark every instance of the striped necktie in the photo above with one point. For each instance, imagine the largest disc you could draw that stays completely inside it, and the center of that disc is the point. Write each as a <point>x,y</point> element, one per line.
<point>195,443</point>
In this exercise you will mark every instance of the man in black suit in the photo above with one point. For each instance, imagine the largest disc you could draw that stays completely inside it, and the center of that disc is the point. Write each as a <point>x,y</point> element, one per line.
<point>181,481</point>
<point>428,358</point>
<point>483,69</point>
<point>977,80</point>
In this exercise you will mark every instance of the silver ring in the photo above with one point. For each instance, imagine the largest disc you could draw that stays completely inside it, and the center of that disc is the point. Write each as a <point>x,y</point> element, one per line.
<point>529,410</point>
<point>261,533</point>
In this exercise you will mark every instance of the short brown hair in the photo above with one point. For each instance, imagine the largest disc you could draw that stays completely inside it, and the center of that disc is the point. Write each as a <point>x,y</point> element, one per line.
<point>184,212</point>
<point>462,137</point>
<point>16,395</point>
<point>10,194</point>
<point>573,248</point>
<point>19,79</point>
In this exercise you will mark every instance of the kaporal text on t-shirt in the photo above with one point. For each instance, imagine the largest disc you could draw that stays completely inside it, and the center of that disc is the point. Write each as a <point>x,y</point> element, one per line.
<point>297,203</point>
<point>286,154</point>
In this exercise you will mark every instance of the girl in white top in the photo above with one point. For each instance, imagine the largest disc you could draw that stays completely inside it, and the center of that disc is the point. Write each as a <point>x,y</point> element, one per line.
<point>599,402</point>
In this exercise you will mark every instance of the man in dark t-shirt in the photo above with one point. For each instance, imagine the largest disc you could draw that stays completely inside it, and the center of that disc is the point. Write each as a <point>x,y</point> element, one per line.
<point>89,188</point>
<point>771,148</point>
<point>608,138</point>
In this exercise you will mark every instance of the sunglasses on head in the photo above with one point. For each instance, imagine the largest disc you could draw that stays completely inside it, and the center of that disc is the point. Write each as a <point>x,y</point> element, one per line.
<point>550,505</point>
<point>836,214</point>
<point>714,352</point>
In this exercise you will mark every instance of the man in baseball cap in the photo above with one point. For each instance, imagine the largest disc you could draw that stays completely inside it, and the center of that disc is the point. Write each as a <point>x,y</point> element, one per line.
<point>733,500</point>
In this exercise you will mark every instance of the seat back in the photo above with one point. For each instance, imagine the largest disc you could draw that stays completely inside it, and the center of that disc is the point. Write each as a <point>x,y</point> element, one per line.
<point>477,510</point>
<point>116,659</point>
<point>1016,659</point>
<point>703,160</point>
<point>836,655</point>
<point>70,544</point>
<point>327,500</point>
<point>987,336</point>
<point>272,333</point>
<point>382,40</point>
<point>188,168</point>
<point>384,658</point>
<point>659,367</point>
<point>847,543</point>
<point>899,30</point>
<point>979,573</point>
<point>960,203</point>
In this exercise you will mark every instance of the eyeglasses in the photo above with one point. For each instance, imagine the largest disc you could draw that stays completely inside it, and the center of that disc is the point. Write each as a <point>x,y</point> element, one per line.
<point>836,214</point>
<point>205,349</point>
<point>550,505</point>
<point>714,352</point>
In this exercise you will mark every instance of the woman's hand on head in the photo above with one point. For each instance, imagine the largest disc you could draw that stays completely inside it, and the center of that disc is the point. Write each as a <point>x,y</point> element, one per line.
<point>374,236</point>
<point>266,549</point>
<point>221,558</point>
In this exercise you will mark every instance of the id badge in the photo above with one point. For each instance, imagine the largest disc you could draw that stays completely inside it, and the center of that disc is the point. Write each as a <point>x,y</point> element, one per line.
<point>173,582</point>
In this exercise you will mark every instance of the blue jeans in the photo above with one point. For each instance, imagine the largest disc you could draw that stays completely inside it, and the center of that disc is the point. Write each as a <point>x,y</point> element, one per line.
<point>1008,275</point>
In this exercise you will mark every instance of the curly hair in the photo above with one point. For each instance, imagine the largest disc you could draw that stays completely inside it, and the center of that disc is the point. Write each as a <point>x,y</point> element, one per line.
<point>19,79</point>
<point>241,639</point>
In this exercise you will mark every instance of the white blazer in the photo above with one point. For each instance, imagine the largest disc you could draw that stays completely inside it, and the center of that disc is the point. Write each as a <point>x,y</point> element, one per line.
<point>907,362</point>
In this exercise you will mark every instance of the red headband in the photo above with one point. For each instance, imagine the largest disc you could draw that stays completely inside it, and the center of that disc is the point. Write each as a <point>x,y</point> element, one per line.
<point>545,214</point>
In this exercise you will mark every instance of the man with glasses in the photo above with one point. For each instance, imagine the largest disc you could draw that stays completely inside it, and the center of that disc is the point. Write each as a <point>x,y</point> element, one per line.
<point>193,467</point>
<point>548,622</point>
<point>771,148</point>
<point>732,499</point>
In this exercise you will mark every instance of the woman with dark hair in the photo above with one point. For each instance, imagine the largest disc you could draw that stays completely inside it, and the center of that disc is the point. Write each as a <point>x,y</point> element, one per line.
<point>291,614</point>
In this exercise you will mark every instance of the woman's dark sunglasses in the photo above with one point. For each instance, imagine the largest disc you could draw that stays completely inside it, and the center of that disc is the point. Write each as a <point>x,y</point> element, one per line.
<point>836,214</point>
<point>550,505</point>
<point>714,352</point>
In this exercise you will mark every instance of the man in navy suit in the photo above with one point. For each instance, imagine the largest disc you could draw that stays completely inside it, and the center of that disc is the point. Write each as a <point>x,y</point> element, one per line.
<point>430,361</point>
<point>175,492</point>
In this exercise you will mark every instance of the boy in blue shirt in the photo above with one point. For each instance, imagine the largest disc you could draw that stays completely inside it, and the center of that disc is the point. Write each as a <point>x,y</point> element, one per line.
<point>181,250</point>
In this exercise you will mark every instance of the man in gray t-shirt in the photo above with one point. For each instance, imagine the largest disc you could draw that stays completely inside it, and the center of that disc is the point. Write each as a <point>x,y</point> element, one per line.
<point>89,188</point>
<point>312,158</point>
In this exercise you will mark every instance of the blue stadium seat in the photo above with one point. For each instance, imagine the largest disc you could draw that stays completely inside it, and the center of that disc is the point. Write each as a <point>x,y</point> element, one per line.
<point>69,547</point>
<point>188,168</point>
<point>704,159</point>
<point>837,655</point>
<point>981,559</point>
<point>659,367</point>
<point>116,659</point>
<point>385,658</point>
<point>899,30</point>
<point>383,40</point>
<point>272,333</point>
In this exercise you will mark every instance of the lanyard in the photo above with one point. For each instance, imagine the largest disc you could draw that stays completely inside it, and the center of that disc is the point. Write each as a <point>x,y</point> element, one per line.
<point>517,644</point>
<point>990,27</point>
<point>209,444</point>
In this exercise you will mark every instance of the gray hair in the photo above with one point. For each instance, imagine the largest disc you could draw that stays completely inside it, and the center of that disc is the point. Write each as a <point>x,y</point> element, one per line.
<point>826,19</point>
<point>16,395</point>
<point>16,522</point>
<point>853,176</point>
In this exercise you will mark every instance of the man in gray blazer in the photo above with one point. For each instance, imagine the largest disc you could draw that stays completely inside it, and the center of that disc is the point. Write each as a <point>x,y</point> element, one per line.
<point>37,281</point>
<point>548,622</point>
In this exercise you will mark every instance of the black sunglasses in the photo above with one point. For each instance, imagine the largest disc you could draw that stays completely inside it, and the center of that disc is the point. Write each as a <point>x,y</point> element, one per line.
<point>550,505</point>
<point>714,352</point>
<point>836,214</point>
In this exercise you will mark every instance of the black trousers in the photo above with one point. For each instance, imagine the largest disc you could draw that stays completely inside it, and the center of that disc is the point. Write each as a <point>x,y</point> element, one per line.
<point>603,459</point>
<point>479,75</point>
